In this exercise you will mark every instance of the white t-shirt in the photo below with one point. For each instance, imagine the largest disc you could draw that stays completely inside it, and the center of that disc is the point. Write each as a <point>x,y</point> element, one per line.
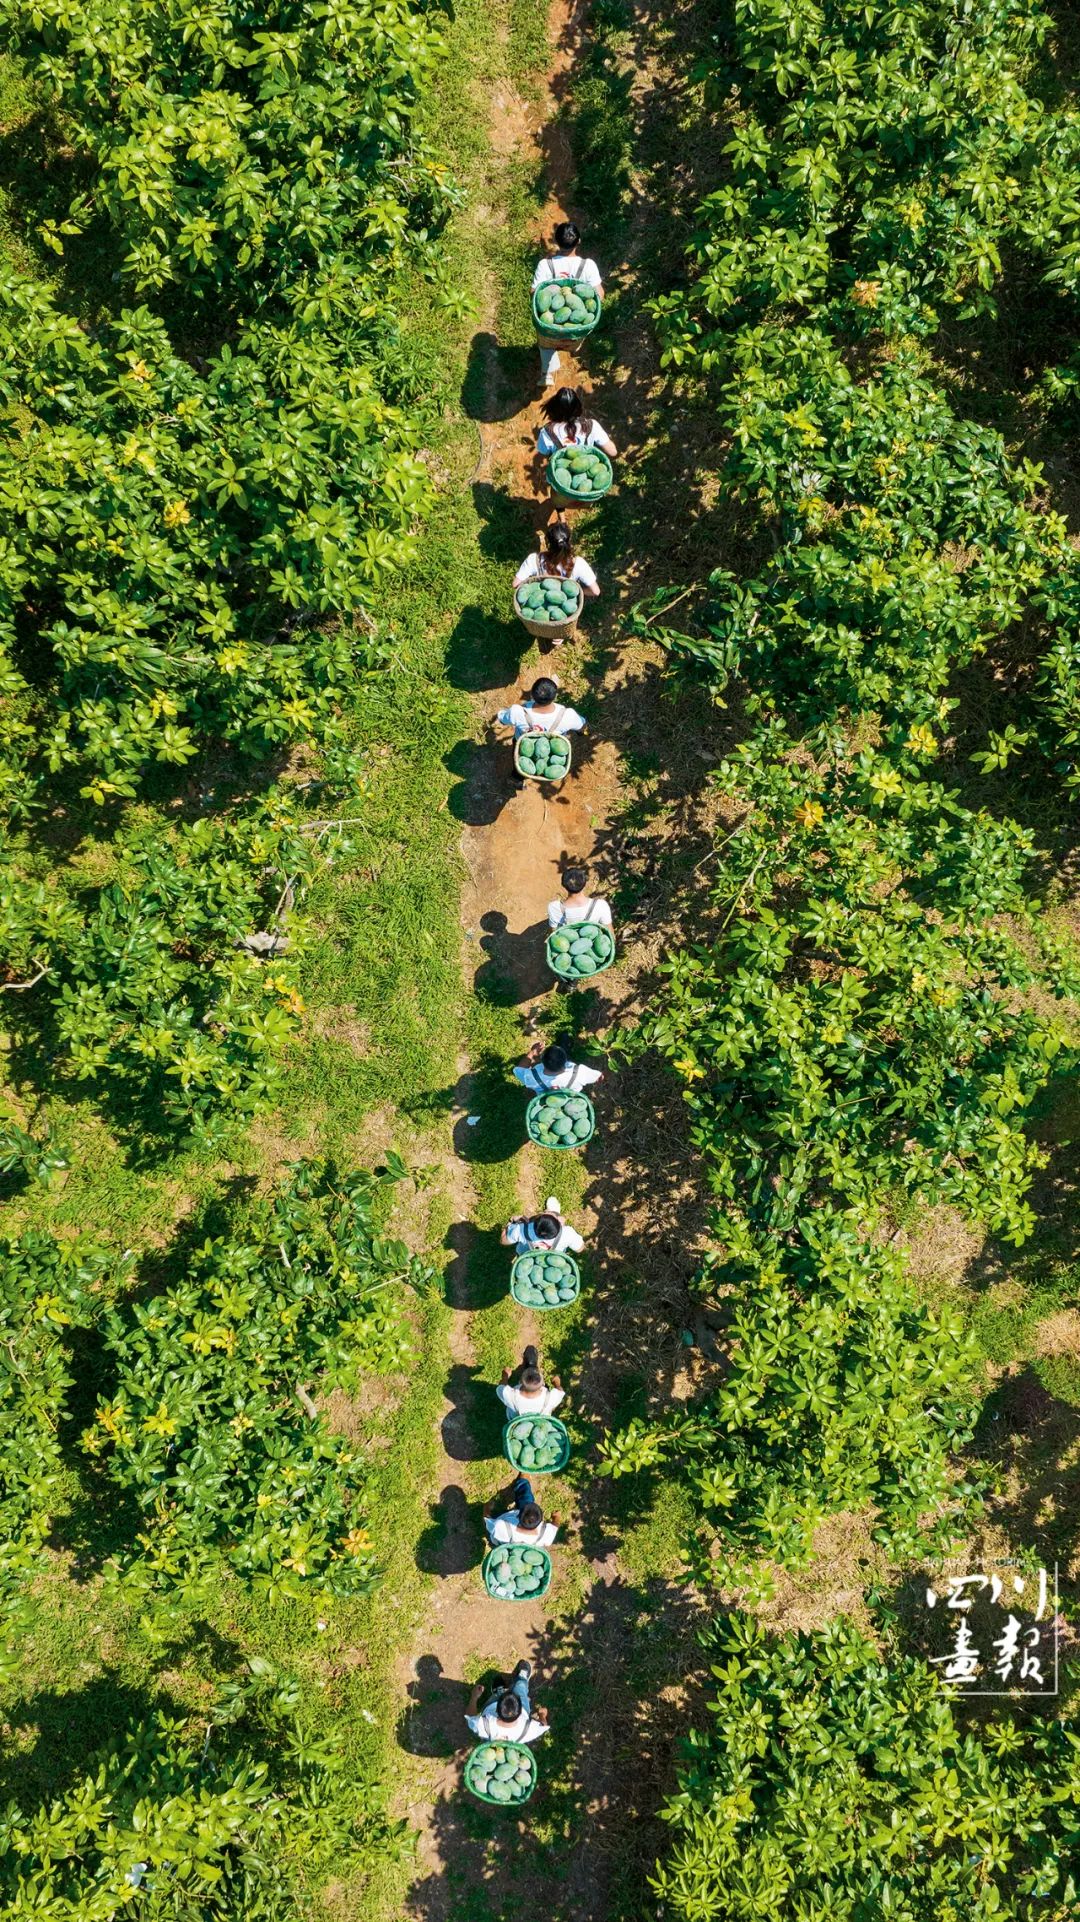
<point>557,434</point>
<point>531,570</point>
<point>508,1533</point>
<point>525,718</point>
<point>561,913</point>
<point>489,1728</point>
<point>519,1403</point>
<point>566,267</point>
<point>520,1235</point>
<point>575,1075</point>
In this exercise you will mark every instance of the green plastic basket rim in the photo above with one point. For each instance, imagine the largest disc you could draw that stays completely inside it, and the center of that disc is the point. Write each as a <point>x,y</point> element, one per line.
<point>570,1096</point>
<point>544,1307</point>
<point>519,1748</point>
<point>532,774</point>
<point>533,1254</point>
<point>600,967</point>
<point>573,329</point>
<point>537,1593</point>
<point>567,494</point>
<point>556,1467</point>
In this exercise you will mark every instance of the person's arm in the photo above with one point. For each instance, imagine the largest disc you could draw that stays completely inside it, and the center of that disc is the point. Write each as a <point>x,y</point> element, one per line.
<point>571,1238</point>
<point>474,1699</point>
<point>605,442</point>
<point>556,916</point>
<point>507,1238</point>
<point>526,572</point>
<point>505,1382</point>
<point>583,573</point>
<point>571,721</point>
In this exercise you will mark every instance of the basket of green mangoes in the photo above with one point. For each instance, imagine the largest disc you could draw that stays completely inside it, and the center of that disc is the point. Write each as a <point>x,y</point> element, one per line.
<point>580,950</point>
<point>557,1120</point>
<point>517,1574</point>
<point>549,605</point>
<point>542,757</point>
<point>566,309</point>
<point>538,1443</point>
<point>503,1773</point>
<point>580,473</point>
<point>545,1280</point>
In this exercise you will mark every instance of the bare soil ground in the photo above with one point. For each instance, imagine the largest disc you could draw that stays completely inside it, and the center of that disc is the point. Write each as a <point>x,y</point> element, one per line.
<point>602,1664</point>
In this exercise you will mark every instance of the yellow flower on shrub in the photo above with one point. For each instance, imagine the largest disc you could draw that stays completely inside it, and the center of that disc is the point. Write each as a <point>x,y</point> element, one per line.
<point>810,814</point>
<point>356,1541</point>
<point>177,514</point>
<point>689,1069</point>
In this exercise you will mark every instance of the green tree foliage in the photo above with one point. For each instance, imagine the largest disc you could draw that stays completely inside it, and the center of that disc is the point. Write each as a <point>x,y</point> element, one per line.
<point>836,1782</point>
<point>45,1288</point>
<point>239,149</point>
<point>210,1425</point>
<point>184,549</point>
<point>206,486</point>
<point>243,1813</point>
<point>851,1034</point>
<point>842,1390</point>
<point>880,159</point>
<point>856,1025</point>
<point>907,540</point>
<point>145,991</point>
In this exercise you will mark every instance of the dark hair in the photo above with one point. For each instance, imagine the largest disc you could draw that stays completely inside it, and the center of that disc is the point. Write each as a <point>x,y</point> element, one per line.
<point>567,409</point>
<point>530,1358</point>
<point>564,406</point>
<point>509,1707</point>
<point>555,1058</point>
<point>567,236</point>
<point>544,690</point>
<point>559,556</point>
<point>545,1227</point>
<point>531,1515</point>
<point>531,1378</point>
<point>574,879</point>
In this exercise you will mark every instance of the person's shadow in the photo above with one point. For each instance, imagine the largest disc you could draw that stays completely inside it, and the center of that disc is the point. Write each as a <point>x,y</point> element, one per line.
<point>515,968</point>
<point>434,1721</point>
<point>485,781</point>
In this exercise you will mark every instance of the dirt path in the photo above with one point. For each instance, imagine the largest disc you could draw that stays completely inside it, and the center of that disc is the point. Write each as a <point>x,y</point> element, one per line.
<point>514,845</point>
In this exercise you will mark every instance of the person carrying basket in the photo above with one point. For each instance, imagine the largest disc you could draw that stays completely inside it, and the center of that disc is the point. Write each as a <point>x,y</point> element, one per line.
<point>550,573</point>
<point>566,263</point>
<point>566,424</point>
<point>542,713</point>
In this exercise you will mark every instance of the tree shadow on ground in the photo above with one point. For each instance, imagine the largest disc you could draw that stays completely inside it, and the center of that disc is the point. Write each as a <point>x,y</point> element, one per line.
<point>1031,1438</point>
<point>73,1727</point>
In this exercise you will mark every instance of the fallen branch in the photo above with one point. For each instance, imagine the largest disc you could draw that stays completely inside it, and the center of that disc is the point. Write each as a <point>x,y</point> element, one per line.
<point>19,987</point>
